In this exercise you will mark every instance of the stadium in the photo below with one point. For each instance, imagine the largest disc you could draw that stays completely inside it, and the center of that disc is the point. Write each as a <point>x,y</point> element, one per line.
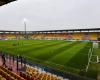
<point>68,54</point>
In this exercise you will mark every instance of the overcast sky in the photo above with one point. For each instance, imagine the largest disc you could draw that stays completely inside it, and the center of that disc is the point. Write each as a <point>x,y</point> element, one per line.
<point>50,14</point>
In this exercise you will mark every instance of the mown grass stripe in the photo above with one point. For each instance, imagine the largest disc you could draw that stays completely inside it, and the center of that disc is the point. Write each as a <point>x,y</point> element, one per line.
<point>58,50</point>
<point>68,54</point>
<point>80,60</point>
<point>21,50</point>
<point>37,50</point>
<point>51,51</point>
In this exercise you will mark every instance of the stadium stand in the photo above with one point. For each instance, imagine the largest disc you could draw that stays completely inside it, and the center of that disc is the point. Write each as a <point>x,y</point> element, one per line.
<point>66,36</point>
<point>29,73</point>
<point>2,2</point>
<point>37,74</point>
<point>77,36</point>
<point>9,75</point>
<point>11,36</point>
<point>62,35</point>
<point>83,34</point>
<point>2,78</point>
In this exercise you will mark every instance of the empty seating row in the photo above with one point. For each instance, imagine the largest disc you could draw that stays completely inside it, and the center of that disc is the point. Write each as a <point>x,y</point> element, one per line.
<point>6,75</point>
<point>2,78</point>
<point>33,73</point>
<point>68,36</point>
<point>9,75</point>
<point>58,36</point>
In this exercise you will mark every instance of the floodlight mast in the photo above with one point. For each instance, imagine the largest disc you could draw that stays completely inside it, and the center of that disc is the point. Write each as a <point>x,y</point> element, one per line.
<point>25,31</point>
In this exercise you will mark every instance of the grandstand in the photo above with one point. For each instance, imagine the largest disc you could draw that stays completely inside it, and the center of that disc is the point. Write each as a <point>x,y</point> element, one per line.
<point>71,34</point>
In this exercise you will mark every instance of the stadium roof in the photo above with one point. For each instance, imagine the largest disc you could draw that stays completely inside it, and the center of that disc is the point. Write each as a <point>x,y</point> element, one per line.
<point>65,30</point>
<point>88,29</point>
<point>2,2</point>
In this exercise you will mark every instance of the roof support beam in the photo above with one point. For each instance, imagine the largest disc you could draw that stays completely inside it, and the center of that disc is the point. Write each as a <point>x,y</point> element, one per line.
<point>2,2</point>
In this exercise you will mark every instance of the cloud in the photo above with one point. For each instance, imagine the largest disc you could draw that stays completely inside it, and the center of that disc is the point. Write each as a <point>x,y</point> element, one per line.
<point>50,14</point>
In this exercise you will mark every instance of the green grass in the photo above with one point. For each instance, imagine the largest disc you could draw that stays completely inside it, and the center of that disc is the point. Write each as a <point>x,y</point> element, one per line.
<point>94,68</point>
<point>59,54</point>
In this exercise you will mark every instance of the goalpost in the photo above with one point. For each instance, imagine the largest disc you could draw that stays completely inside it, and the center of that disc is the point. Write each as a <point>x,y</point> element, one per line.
<point>95,45</point>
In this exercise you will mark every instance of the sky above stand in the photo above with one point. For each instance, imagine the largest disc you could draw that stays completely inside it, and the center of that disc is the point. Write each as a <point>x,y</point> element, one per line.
<point>50,14</point>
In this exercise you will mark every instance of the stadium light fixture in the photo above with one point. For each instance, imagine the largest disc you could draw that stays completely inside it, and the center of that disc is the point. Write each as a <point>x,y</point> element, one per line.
<point>25,29</point>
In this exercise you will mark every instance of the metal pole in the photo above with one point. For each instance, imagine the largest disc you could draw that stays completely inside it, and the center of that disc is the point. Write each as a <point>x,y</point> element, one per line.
<point>25,29</point>
<point>13,59</point>
<point>21,61</point>
<point>17,62</point>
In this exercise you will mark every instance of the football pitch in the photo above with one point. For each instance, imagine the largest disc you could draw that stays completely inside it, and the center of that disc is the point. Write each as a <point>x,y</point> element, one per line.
<point>71,56</point>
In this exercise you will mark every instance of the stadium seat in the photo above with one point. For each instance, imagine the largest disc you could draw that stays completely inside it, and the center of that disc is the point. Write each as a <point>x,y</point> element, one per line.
<point>9,75</point>
<point>34,74</point>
